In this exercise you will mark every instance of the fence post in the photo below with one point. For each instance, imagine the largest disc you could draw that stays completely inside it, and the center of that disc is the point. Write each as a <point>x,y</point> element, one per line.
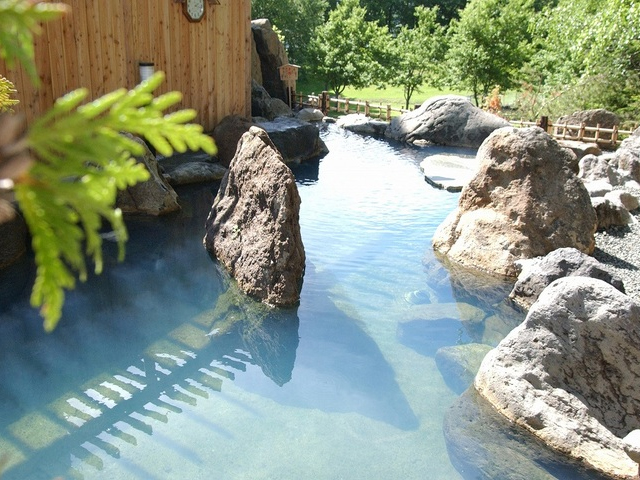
<point>366,108</point>
<point>544,123</point>
<point>597,133</point>
<point>614,136</point>
<point>581,132</point>
<point>324,102</point>
<point>388,112</point>
<point>346,105</point>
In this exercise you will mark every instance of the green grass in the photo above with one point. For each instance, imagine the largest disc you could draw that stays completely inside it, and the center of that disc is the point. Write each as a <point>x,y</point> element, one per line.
<point>389,95</point>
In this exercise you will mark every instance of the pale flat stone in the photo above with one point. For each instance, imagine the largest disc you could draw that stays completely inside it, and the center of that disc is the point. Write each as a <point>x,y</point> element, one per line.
<point>449,172</point>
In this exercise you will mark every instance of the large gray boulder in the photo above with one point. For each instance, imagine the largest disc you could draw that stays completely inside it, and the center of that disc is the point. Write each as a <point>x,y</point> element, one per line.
<point>445,120</point>
<point>272,56</point>
<point>295,139</point>
<point>569,373</point>
<point>538,273</point>
<point>152,197</point>
<point>590,118</point>
<point>359,123</point>
<point>524,202</point>
<point>253,228</point>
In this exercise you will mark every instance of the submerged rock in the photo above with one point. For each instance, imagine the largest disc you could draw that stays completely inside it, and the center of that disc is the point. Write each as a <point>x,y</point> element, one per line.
<point>568,374</point>
<point>445,120</point>
<point>483,445</point>
<point>458,364</point>
<point>524,202</point>
<point>253,228</point>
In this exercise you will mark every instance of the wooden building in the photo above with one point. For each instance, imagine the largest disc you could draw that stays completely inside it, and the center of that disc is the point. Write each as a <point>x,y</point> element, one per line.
<point>100,44</point>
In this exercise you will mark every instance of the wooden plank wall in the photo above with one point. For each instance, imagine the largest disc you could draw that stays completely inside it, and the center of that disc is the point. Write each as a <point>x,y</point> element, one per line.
<point>99,44</point>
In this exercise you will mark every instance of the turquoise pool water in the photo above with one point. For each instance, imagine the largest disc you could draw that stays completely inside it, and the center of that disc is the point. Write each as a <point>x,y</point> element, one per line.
<point>159,370</point>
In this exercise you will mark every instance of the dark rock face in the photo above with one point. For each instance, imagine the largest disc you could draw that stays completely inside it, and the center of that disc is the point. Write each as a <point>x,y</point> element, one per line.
<point>272,57</point>
<point>538,273</point>
<point>295,139</point>
<point>446,120</point>
<point>568,373</point>
<point>265,106</point>
<point>13,239</point>
<point>153,197</point>
<point>195,172</point>
<point>253,228</point>
<point>227,134</point>
<point>524,202</point>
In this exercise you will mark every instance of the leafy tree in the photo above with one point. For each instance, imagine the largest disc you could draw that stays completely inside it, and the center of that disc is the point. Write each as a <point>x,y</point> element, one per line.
<point>66,170</point>
<point>295,19</point>
<point>397,13</point>
<point>418,53</point>
<point>349,50</point>
<point>489,44</point>
<point>589,51</point>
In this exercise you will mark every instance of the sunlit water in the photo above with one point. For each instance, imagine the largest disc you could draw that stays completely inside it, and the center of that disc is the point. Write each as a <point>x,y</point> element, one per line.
<point>159,371</point>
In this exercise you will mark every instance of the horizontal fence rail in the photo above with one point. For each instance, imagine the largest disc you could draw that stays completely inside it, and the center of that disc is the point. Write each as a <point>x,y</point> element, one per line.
<point>370,109</point>
<point>607,137</point>
<point>602,136</point>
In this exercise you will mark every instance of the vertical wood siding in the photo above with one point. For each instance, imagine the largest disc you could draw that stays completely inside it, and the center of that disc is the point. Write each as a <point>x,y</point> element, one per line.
<point>99,44</point>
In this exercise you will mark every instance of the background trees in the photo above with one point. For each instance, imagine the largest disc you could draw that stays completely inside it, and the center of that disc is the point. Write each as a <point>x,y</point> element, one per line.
<point>296,20</point>
<point>348,50</point>
<point>489,44</point>
<point>556,55</point>
<point>418,53</point>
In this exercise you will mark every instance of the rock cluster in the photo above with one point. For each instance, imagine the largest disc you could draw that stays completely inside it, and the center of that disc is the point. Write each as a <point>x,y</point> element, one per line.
<point>271,55</point>
<point>538,273</point>
<point>569,373</point>
<point>445,120</point>
<point>253,228</point>
<point>523,202</point>
<point>610,178</point>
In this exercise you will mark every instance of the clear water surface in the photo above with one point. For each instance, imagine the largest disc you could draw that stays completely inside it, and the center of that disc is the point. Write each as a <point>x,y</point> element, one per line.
<point>159,370</point>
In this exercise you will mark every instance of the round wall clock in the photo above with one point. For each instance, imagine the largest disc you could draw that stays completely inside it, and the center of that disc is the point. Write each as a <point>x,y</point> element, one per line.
<point>194,10</point>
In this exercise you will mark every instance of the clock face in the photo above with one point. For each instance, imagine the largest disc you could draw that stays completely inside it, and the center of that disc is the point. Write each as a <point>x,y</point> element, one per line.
<point>194,9</point>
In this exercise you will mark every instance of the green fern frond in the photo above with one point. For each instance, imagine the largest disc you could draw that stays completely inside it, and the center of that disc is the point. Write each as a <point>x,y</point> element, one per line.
<point>82,161</point>
<point>19,21</point>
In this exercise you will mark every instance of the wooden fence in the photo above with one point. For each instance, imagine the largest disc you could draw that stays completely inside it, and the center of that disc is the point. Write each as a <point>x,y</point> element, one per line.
<point>100,44</point>
<point>605,137</point>
<point>327,104</point>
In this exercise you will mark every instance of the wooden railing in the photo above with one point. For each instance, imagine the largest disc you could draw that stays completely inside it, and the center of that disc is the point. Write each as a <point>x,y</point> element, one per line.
<point>606,137</point>
<point>327,104</point>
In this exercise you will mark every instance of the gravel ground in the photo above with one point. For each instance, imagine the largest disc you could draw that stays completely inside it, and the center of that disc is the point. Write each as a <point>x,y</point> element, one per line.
<point>617,247</point>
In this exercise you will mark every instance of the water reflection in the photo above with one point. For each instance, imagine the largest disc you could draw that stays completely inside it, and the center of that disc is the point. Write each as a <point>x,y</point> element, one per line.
<point>339,368</point>
<point>483,445</point>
